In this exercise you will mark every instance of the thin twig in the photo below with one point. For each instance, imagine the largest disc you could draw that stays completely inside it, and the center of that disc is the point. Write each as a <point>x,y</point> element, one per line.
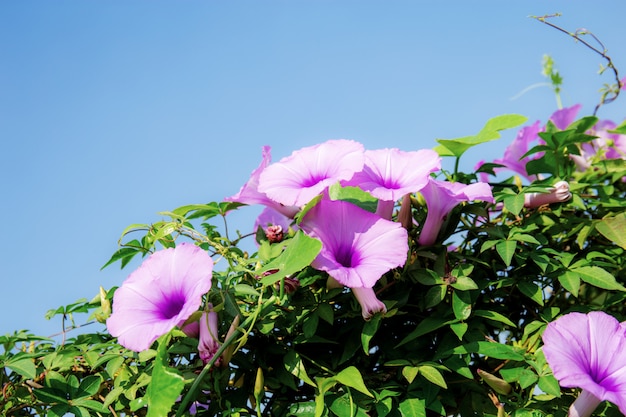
<point>605,98</point>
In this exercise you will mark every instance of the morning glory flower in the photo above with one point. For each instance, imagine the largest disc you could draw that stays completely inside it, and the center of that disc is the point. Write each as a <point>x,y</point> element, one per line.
<point>390,174</point>
<point>562,118</point>
<point>513,153</point>
<point>441,197</point>
<point>160,295</point>
<point>588,351</point>
<point>249,193</point>
<point>298,178</point>
<point>358,247</point>
<point>606,146</point>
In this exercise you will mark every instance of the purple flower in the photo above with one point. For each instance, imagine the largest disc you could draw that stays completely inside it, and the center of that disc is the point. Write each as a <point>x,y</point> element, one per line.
<point>208,343</point>
<point>588,351</point>
<point>564,117</point>
<point>250,194</point>
<point>297,179</point>
<point>441,197</point>
<point>605,146</point>
<point>389,174</point>
<point>558,193</point>
<point>513,153</point>
<point>160,295</point>
<point>358,247</point>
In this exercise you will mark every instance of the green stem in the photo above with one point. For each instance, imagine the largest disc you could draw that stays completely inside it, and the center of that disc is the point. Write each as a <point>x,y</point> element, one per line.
<point>196,383</point>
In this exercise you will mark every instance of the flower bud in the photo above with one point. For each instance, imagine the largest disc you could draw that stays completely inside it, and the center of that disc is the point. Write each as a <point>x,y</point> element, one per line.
<point>557,194</point>
<point>499,385</point>
<point>274,233</point>
<point>405,216</point>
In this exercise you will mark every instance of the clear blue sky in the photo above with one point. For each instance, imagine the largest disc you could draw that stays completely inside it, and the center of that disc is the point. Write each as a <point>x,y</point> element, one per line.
<point>113,111</point>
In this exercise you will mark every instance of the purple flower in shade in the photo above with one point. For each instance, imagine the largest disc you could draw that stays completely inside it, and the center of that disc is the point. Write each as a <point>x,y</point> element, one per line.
<point>558,193</point>
<point>389,174</point>
<point>250,194</point>
<point>297,179</point>
<point>564,117</point>
<point>588,351</point>
<point>613,144</point>
<point>606,146</point>
<point>160,295</point>
<point>208,343</point>
<point>358,247</point>
<point>441,197</point>
<point>513,153</point>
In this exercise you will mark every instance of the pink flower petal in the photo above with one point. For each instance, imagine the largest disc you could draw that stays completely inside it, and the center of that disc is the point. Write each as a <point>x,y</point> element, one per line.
<point>161,294</point>
<point>297,179</point>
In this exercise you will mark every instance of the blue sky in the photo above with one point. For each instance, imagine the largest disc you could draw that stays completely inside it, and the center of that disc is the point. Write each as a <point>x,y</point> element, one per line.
<point>113,111</point>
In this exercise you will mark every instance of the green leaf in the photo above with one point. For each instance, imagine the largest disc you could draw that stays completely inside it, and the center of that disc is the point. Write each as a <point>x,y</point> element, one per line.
<point>491,349</point>
<point>89,386</point>
<point>91,404</point>
<point>456,147</point>
<point>166,383</point>
<point>245,289</point>
<point>433,375</point>
<point>125,254</point>
<point>59,410</point>
<point>413,407</point>
<point>531,290</point>
<point>492,315</point>
<point>294,365</point>
<point>25,367</point>
<point>549,385</point>
<point>434,296</point>
<point>299,254</point>
<point>613,228</point>
<point>461,305</point>
<point>302,409</point>
<point>344,405</point>
<point>570,281</point>
<point>506,250</point>
<point>459,329</point>
<point>427,325</point>
<point>598,277</point>
<point>514,203</point>
<point>50,395</point>
<point>351,377</point>
<point>464,284</point>
<point>410,372</point>
<point>354,195</point>
<point>369,330</point>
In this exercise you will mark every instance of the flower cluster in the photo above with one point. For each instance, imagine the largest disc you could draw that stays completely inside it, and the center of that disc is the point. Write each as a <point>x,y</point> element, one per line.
<point>358,246</point>
<point>602,143</point>
<point>355,299</point>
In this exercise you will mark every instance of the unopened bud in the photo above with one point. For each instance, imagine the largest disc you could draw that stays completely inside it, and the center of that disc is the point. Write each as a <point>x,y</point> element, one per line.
<point>274,233</point>
<point>405,216</point>
<point>499,385</point>
<point>290,285</point>
<point>558,193</point>
<point>105,307</point>
<point>230,349</point>
<point>259,389</point>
